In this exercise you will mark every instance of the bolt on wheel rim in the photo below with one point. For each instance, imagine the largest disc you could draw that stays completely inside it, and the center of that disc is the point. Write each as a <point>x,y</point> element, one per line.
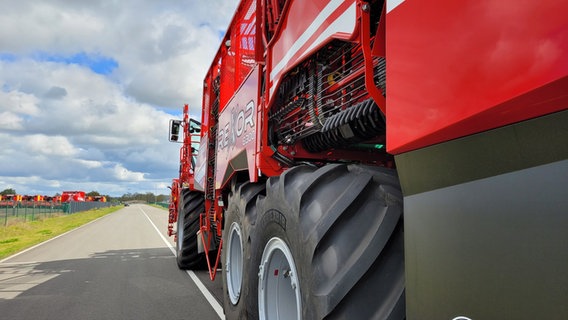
<point>279,291</point>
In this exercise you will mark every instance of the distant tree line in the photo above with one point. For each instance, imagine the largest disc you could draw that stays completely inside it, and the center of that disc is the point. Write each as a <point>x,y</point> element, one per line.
<point>143,197</point>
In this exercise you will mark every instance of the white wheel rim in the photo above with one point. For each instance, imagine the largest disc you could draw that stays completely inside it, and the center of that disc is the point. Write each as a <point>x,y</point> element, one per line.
<point>278,285</point>
<point>179,232</point>
<point>234,263</point>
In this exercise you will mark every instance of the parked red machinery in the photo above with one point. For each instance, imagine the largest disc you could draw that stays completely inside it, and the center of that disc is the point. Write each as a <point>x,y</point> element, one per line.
<point>10,199</point>
<point>96,199</point>
<point>77,196</point>
<point>67,196</point>
<point>321,120</point>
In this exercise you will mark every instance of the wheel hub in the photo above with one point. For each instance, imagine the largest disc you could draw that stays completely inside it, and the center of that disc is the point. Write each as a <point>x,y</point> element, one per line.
<point>278,291</point>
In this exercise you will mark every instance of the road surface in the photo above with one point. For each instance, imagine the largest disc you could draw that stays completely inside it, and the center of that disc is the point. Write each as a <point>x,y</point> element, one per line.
<point>121,266</point>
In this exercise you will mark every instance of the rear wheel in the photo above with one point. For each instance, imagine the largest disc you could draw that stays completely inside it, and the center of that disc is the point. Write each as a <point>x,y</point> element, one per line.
<point>330,244</point>
<point>278,277</point>
<point>239,277</point>
<point>191,205</point>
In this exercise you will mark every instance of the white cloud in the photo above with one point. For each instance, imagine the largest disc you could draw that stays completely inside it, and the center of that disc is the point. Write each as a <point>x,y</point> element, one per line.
<point>55,146</point>
<point>89,164</point>
<point>10,121</point>
<point>18,102</point>
<point>124,174</point>
<point>33,24</point>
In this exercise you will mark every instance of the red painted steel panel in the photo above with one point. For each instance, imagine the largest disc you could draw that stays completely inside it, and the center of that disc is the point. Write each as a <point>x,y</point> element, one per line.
<point>455,68</point>
<point>237,130</point>
<point>305,27</point>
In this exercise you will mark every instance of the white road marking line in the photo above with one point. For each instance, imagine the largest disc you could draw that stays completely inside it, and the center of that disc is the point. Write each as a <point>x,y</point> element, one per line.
<point>170,246</point>
<point>212,301</point>
<point>216,306</point>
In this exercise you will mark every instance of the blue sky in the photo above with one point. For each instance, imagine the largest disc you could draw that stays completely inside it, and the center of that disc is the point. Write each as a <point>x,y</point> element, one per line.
<point>8,57</point>
<point>95,62</point>
<point>88,88</point>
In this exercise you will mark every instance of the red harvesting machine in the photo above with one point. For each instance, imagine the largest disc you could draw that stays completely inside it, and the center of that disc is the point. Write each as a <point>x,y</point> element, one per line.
<point>386,160</point>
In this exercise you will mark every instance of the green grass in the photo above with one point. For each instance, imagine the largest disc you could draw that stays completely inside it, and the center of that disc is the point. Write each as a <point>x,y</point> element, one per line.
<point>19,236</point>
<point>11,215</point>
<point>157,206</point>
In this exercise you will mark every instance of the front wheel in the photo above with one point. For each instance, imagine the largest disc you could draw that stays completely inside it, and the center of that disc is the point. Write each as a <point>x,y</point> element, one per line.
<point>191,205</point>
<point>329,244</point>
<point>239,278</point>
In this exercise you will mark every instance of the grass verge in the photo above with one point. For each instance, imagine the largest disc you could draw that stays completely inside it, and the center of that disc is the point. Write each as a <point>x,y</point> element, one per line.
<point>157,206</point>
<point>19,236</point>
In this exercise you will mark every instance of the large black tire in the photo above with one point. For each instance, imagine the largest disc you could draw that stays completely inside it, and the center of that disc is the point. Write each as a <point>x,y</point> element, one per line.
<point>191,205</point>
<point>329,244</point>
<point>239,277</point>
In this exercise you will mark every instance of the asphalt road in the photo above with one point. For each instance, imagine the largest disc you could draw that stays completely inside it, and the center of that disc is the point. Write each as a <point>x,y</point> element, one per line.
<point>118,267</point>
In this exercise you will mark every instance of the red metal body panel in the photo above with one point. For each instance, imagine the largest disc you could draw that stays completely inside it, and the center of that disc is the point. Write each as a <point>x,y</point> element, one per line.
<point>304,28</point>
<point>232,65</point>
<point>237,132</point>
<point>464,67</point>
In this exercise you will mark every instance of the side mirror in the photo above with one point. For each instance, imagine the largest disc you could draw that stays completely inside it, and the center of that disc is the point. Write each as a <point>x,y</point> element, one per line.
<point>175,126</point>
<point>194,126</point>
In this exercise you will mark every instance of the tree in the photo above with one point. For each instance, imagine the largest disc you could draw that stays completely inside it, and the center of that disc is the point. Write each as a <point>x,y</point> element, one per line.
<point>93,193</point>
<point>162,198</point>
<point>8,191</point>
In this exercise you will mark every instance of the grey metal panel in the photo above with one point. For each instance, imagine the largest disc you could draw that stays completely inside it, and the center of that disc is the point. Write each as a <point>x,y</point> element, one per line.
<point>494,248</point>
